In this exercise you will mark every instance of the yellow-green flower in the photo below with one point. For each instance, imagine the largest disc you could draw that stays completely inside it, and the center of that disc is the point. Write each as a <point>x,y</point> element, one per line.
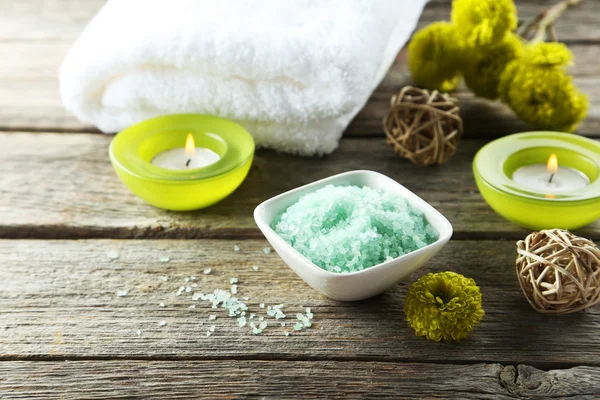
<point>483,66</point>
<point>443,306</point>
<point>432,57</point>
<point>483,22</point>
<point>540,92</point>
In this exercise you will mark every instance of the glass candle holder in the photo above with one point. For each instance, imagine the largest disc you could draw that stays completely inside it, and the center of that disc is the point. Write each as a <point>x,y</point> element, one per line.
<point>535,208</point>
<point>132,150</point>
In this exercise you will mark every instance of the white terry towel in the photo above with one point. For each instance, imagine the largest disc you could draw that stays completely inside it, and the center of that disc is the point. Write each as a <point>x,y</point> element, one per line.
<point>293,72</point>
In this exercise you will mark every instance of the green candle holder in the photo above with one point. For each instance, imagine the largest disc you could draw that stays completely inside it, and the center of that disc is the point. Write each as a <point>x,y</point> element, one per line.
<point>132,150</point>
<point>495,164</point>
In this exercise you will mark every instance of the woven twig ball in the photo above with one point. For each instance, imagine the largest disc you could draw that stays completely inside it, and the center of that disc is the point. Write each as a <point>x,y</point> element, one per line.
<point>423,127</point>
<point>559,272</point>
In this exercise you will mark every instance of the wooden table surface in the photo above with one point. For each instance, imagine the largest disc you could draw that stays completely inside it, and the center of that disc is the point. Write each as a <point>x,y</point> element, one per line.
<point>65,333</point>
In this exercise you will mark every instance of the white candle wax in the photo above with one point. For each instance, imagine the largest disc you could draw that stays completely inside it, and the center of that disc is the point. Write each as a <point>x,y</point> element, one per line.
<point>536,177</point>
<point>177,159</point>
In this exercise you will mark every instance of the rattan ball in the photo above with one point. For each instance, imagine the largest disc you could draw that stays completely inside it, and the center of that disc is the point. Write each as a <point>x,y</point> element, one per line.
<point>422,126</point>
<point>559,272</point>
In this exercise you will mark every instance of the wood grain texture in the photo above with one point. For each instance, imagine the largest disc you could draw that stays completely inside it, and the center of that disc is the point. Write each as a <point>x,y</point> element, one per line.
<point>35,37</point>
<point>290,379</point>
<point>62,304</point>
<point>63,186</point>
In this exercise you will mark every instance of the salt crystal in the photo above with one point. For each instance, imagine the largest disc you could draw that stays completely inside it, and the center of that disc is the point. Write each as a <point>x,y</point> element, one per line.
<point>212,328</point>
<point>193,278</point>
<point>138,332</point>
<point>234,289</point>
<point>241,321</point>
<point>246,298</point>
<point>163,278</point>
<point>207,333</point>
<point>298,326</point>
<point>263,325</point>
<point>267,250</point>
<point>255,267</point>
<point>212,317</point>
<point>188,289</point>
<point>236,248</point>
<point>262,305</point>
<point>197,296</point>
<point>161,304</point>
<point>162,323</point>
<point>122,293</point>
<point>207,271</point>
<point>163,259</point>
<point>233,280</point>
<point>261,318</point>
<point>349,228</point>
<point>187,279</point>
<point>194,285</point>
<point>282,324</point>
<point>192,306</point>
<point>180,290</point>
<point>286,333</point>
<point>113,255</point>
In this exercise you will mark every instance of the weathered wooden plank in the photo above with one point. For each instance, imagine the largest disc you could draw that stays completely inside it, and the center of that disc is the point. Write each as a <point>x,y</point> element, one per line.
<point>290,379</point>
<point>63,186</point>
<point>59,301</point>
<point>29,98</point>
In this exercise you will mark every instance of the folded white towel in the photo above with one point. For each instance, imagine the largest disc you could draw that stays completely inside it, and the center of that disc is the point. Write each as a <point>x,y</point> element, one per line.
<point>293,72</point>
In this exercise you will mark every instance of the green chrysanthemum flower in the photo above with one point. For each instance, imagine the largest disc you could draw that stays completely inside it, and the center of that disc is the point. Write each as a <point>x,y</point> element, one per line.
<point>432,57</point>
<point>540,92</point>
<point>484,65</point>
<point>483,22</point>
<point>443,306</point>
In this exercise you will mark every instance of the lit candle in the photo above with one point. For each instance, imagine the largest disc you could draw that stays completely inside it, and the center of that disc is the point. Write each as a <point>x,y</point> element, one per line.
<point>550,178</point>
<point>189,157</point>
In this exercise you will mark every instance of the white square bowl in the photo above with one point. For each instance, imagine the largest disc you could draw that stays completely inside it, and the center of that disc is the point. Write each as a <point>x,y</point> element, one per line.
<point>370,281</point>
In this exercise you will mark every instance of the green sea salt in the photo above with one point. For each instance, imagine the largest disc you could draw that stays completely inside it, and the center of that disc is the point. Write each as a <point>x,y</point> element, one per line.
<point>349,228</point>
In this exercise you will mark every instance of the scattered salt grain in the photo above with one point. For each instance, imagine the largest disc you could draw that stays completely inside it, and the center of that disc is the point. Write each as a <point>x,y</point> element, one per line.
<point>263,325</point>
<point>262,305</point>
<point>161,305</point>
<point>246,298</point>
<point>298,326</point>
<point>267,250</point>
<point>194,285</point>
<point>261,318</point>
<point>197,296</point>
<point>122,293</point>
<point>163,259</point>
<point>192,306</point>
<point>180,290</point>
<point>212,317</point>
<point>162,323</point>
<point>234,289</point>
<point>241,321</point>
<point>233,280</point>
<point>255,267</point>
<point>207,333</point>
<point>286,333</point>
<point>212,328</point>
<point>113,255</point>
<point>188,289</point>
<point>252,315</point>
<point>138,332</point>
<point>236,248</point>
<point>187,279</point>
<point>282,324</point>
<point>163,278</point>
<point>207,271</point>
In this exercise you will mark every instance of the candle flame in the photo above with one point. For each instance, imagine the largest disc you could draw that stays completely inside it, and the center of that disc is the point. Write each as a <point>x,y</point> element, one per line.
<point>190,146</point>
<point>552,164</point>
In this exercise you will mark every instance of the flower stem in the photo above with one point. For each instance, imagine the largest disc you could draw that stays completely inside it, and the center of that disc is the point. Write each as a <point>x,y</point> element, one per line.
<point>545,21</point>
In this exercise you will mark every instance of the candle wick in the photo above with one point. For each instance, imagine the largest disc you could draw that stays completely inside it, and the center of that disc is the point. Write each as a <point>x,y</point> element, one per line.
<point>551,177</point>
<point>187,164</point>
